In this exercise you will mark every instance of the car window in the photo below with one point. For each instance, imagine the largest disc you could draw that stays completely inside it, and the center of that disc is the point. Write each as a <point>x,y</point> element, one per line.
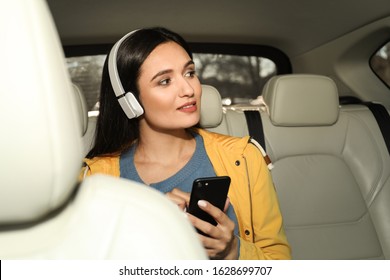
<point>380,63</point>
<point>239,79</point>
<point>86,72</point>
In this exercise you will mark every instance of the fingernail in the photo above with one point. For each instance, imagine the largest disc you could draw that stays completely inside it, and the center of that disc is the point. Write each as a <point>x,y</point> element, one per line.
<point>202,203</point>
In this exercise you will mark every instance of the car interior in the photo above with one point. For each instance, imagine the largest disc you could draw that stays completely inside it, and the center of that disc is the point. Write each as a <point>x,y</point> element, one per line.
<point>322,117</point>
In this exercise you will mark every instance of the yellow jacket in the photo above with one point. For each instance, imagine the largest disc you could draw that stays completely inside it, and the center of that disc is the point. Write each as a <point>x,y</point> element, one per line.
<point>251,193</point>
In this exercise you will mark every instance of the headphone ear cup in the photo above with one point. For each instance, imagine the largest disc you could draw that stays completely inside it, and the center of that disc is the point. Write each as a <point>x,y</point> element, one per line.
<point>127,101</point>
<point>130,105</point>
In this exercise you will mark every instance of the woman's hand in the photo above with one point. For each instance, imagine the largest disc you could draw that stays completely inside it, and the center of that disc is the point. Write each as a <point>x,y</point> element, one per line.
<point>220,242</point>
<point>179,197</point>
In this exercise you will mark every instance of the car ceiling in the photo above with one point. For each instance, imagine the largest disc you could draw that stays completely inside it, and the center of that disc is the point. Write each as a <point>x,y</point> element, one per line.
<point>294,27</point>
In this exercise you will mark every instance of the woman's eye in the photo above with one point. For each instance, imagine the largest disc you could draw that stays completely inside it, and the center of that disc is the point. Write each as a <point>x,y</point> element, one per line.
<point>191,73</point>
<point>164,82</point>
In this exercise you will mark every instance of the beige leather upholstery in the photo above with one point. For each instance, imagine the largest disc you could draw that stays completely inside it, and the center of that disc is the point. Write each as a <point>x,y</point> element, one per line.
<point>45,213</point>
<point>328,180</point>
<point>211,107</point>
<point>89,137</point>
<point>40,146</point>
<point>88,124</point>
<point>301,100</point>
<point>108,218</point>
<point>82,108</point>
<point>331,169</point>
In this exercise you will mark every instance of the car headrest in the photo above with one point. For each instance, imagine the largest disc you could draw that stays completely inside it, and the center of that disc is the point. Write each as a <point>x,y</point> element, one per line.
<point>41,145</point>
<point>82,108</point>
<point>211,107</point>
<point>301,100</point>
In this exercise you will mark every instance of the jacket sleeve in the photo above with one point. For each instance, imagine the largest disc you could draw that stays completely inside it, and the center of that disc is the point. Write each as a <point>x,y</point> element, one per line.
<point>269,239</point>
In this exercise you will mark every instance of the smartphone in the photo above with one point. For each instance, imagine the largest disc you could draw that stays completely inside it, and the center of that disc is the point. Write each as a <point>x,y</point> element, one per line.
<point>212,189</point>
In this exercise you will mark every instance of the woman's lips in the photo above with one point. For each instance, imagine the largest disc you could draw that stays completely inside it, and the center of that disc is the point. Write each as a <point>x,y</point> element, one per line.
<point>188,107</point>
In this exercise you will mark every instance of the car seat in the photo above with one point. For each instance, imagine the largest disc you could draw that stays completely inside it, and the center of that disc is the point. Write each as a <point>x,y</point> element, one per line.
<point>45,212</point>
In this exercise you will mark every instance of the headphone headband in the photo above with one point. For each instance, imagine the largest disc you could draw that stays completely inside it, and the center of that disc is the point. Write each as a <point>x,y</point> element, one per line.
<point>127,100</point>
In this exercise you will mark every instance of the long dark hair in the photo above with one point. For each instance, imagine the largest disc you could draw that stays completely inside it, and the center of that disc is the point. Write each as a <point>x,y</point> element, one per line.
<point>114,131</point>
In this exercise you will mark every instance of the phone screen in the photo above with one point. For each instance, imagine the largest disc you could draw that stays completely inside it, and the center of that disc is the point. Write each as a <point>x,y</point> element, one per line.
<point>212,189</point>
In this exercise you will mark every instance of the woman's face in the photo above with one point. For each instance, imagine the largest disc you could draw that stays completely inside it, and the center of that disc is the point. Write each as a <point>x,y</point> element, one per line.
<point>170,91</point>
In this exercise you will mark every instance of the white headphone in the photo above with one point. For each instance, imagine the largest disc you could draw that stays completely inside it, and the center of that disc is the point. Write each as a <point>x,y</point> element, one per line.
<point>127,100</point>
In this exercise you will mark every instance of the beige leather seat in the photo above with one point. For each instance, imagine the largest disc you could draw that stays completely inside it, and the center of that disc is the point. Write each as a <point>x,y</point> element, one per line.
<point>88,123</point>
<point>44,212</point>
<point>331,172</point>
<point>331,168</point>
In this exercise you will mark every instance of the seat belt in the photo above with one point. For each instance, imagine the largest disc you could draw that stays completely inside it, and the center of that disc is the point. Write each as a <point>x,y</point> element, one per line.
<point>255,126</point>
<point>383,119</point>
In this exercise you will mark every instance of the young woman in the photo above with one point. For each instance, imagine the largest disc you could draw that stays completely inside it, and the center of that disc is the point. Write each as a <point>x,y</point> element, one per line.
<point>151,137</point>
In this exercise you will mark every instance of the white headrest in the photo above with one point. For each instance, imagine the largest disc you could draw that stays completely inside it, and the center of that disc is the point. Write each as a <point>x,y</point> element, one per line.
<point>211,107</point>
<point>82,108</point>
<point>40,146</point>
<point>301,100</point>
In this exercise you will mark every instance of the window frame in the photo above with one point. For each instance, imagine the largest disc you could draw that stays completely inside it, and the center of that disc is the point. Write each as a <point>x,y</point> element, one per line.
<point>386,43</point>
